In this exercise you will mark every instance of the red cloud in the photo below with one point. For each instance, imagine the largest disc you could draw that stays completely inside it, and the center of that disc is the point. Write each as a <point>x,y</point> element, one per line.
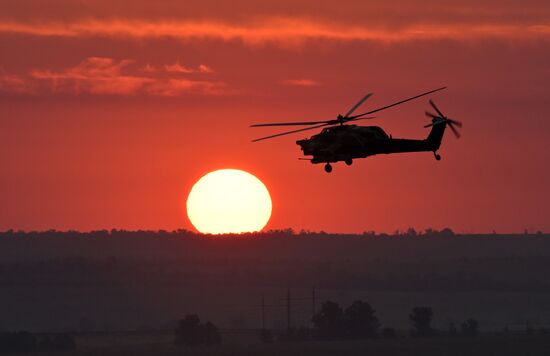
<point>15,84</point>
<point>176,87</point>
<point>203,68</point>
<point>179,68</point>
<point>95,76</point>
<point>301,82</point>
<point>281,30</point>
<point>105,76</point>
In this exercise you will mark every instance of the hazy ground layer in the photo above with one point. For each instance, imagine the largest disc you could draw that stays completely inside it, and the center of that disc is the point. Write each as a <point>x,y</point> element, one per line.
<point>148,280</point>
<point>482,346</point>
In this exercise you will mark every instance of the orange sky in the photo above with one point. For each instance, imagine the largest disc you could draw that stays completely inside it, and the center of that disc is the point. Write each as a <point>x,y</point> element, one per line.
<point>111,110</point>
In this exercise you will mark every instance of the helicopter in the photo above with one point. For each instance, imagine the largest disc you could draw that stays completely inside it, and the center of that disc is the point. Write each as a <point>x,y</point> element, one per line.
<point>340,141</point>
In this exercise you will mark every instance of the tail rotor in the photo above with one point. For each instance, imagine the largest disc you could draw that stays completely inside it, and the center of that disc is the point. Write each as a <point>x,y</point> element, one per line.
<point>441,118</point>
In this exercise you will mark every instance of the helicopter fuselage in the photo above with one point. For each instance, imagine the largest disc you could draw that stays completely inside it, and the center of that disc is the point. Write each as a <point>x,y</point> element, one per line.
<point>347,142</point>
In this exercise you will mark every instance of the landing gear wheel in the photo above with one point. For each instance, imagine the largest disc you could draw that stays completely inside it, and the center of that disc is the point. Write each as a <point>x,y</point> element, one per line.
<point>437,157</point>
<point>349,161</point>
<point>328,168</point>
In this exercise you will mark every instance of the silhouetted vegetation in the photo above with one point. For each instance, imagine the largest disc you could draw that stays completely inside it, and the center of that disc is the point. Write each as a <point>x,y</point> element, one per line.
<point>329,321</point>
<point>452,330</point>
<point>529,330</point>
<point>25,342</point>
<point>358,321</point>
<point>18,342</point>
<point>389,333</point>
<point>469,328</point>
<point>191,332</point>
<point>278,233</point>
<point>421,319</point>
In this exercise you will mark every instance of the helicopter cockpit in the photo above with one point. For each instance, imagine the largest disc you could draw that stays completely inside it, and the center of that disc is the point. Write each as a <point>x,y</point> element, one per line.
<point>376,132</point>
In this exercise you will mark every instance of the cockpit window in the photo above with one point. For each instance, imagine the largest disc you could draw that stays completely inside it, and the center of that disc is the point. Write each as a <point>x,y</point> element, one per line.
<point>377,131</point>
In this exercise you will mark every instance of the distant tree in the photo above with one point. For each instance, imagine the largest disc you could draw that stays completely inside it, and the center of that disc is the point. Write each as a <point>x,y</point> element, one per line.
<point>190,332</point>
<point>211,334</point>
<point>469,328</point>
<point>529,329</point>
<point>329,321</point>
<point>411,232</point>
<point>18,342</point>
<point>46,344</point>
<point>421,318</point>
<point>429,232</point>
<point>25,342</point>
<point>452,329</point>
<point>187,332</point>
<point>64,342</point>
<point>389,333</point>
<point>280,233</point>
<point>360,320</point>
<point>446,232</point>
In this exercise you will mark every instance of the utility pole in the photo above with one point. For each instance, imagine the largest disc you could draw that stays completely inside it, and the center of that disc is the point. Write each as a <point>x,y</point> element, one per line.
<point>288,325</point>
<point>313,302</point>
<point>289,299</point>
<point>263,314</point>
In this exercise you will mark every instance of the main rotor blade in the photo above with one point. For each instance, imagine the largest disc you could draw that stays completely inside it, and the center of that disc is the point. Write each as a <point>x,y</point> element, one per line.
<point>433,116</point>
<point>362,118</point>
<point>435,108</point>
<point>457,123</point>
<point>397,103</point>
<point>303,123</point>
<point>358,104</point>
<point>455,131</point>
<point>289,132</point>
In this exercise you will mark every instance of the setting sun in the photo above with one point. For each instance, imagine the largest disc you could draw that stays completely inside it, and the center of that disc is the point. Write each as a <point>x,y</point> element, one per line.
<point>229,201</point>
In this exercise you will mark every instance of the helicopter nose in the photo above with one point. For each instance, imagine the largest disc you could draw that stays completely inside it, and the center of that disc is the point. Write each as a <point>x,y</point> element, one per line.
<point>302,144</point>
<point>306,146</point>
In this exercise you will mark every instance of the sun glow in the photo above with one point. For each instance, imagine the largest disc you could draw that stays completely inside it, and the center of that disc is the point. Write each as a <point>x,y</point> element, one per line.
<point>229,201</point>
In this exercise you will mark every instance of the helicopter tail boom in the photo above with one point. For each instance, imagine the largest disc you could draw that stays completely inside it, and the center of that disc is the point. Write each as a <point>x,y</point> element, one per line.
<point>436,136</point>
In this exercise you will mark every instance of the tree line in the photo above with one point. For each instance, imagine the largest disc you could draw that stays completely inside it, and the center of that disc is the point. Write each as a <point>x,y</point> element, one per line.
<point>281,233</point>
<point>359,321</point>
<point>25,342</point>
<point>332,322</point>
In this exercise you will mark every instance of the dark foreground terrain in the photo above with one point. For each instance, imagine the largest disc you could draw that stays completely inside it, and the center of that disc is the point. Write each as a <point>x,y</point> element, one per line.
<point>159,345</point>
<point>107,281</point>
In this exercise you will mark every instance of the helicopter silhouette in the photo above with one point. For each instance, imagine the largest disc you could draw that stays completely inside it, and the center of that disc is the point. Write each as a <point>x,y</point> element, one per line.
<point>340,142</point>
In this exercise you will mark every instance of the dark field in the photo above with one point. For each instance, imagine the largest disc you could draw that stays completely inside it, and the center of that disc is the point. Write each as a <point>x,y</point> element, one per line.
<point>159,345</point>
<point>96,287</point>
